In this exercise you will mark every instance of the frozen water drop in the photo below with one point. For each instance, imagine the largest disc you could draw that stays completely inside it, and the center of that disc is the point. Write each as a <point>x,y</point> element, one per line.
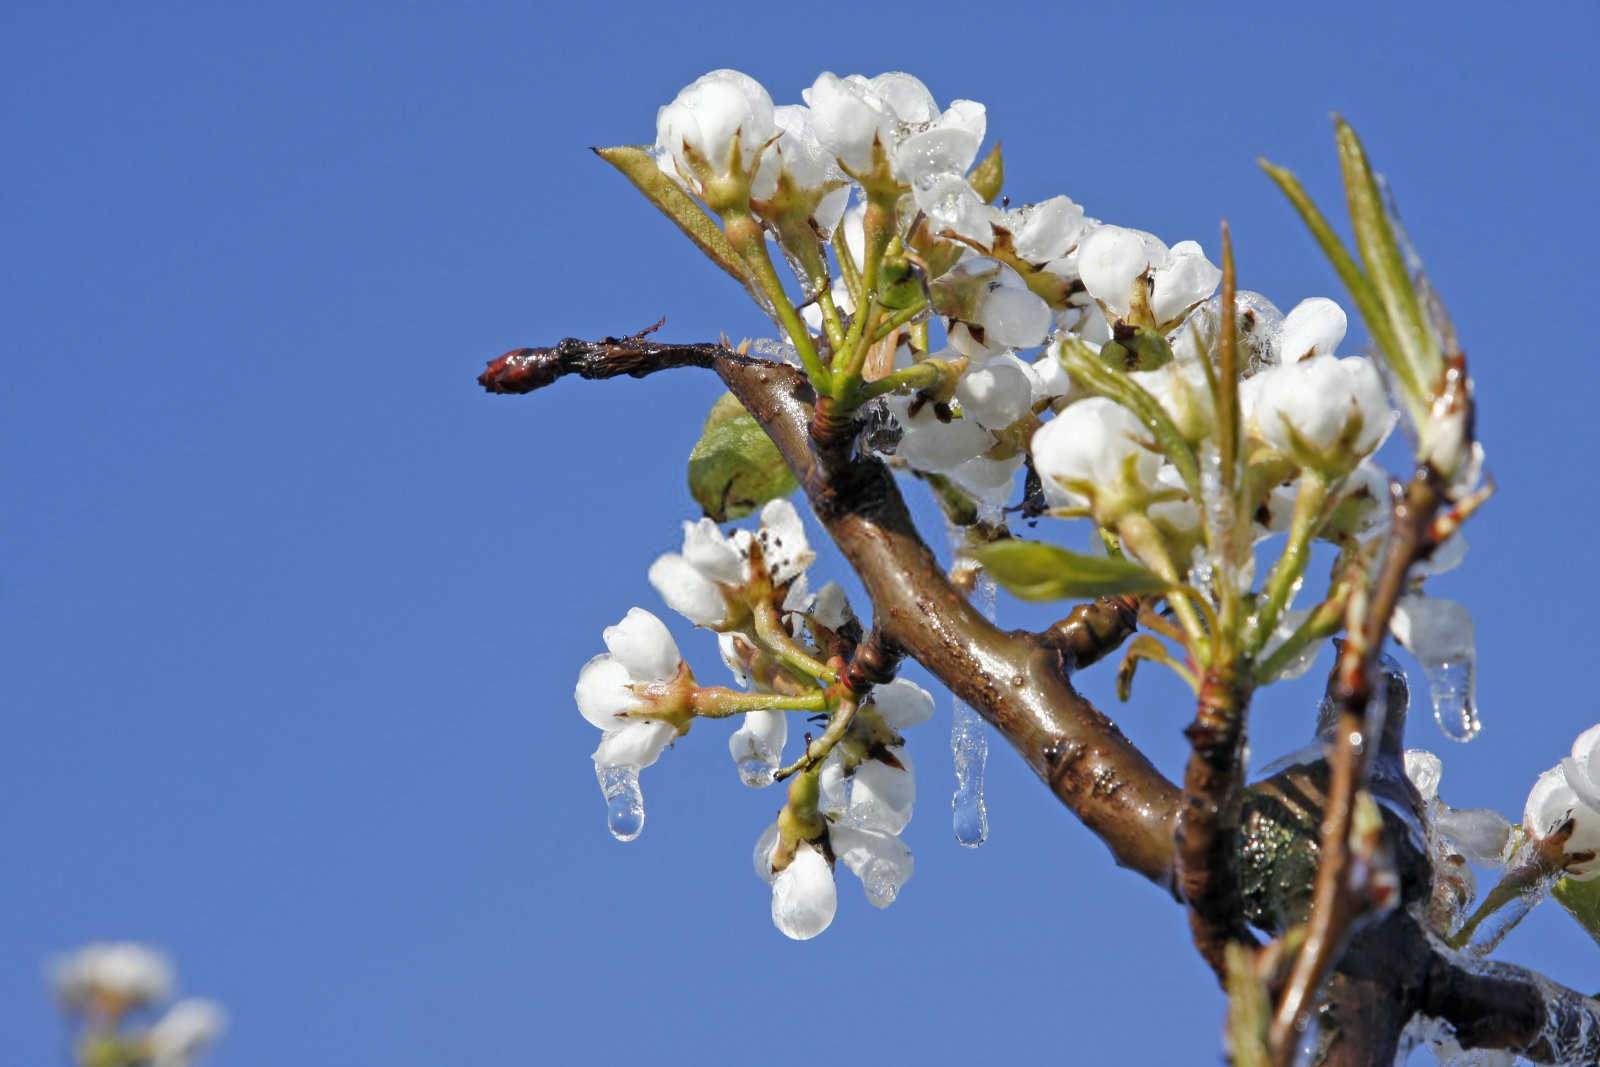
<point>624,801</point>
<point>969,746</point>
<point>756,772</point>
<point>1440,634</point>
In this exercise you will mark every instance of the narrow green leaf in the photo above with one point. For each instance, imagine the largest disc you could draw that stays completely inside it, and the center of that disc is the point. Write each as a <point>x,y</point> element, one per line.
<point>989,175</point>
<point>1035,571</point>
<point>1582,901</point>
<point>1355,282</point>
<point>1386,267</point>
<point>735,468</point>
<point>639,167</point>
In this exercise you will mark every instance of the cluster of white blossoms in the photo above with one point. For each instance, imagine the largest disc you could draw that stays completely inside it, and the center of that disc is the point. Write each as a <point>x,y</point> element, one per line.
<point>101,983</point>
<point>997,340</point>
<point>750,589</point>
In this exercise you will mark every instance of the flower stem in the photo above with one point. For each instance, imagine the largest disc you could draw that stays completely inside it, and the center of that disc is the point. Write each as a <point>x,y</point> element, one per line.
<point>746,234</point>
<point>1308,517</point>
<point>772,634</point>
<point>716,702</point>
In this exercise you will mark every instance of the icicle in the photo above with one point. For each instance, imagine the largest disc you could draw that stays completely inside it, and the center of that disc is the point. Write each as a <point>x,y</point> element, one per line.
<point>969,746</point>
<point>969,742</point>
<point>1440,634</point>
<point>624,801</point>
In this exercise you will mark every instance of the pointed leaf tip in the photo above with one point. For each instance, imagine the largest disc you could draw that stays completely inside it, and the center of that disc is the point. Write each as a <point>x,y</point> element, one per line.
<point>1035,571</point>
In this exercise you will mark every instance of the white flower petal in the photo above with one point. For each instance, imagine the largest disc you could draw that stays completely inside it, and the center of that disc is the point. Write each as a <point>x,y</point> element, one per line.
<point>637,744</point>
<point>903,703</point>
<point>688,591</point>
<point>1424,769</point>
<point>185,1031</point>
<point>766,845</point>
<point>1313,327</point>
<point>881,796</point>
<point>758,744</point>
<point>643,644</point>
<point>602,692</point>
<point>783,541</point>
<point>881,861</point>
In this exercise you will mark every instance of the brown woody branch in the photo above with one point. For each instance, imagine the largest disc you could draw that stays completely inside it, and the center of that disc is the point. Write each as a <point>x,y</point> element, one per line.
<point>1016,680</point>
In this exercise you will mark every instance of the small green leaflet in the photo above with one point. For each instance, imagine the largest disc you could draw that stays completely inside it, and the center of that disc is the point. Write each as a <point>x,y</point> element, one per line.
<point>1582,900</point>
<point>734,467</point>
<point>639,167</point>
<point>1035,571</point>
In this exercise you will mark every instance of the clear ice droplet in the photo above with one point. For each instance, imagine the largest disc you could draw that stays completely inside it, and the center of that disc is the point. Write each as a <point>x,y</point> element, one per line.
<point>624,801</point>
<point>1453,689</point>
<point>756,772</point>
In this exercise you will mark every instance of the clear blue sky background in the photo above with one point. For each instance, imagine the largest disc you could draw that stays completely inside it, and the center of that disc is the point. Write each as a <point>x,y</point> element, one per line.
<point>291,612</point>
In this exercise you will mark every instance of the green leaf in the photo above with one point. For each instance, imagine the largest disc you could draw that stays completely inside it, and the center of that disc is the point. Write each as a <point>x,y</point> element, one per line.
<point>1035,571</point>
<point>1582,901</point>
<point>1417,354</point>
<point>735,468</point>
<point>639,167</point>
<point>989,175</point>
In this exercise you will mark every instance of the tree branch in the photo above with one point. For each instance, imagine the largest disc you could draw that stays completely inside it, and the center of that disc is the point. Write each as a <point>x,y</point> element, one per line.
<point>1014,679</point>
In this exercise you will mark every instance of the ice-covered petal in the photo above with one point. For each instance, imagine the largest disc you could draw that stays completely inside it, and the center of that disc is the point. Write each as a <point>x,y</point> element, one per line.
<point>833,787</point>
<point>688,591</point>
<point>1322,401</point>
<point>766,845</point>
<point>1313,327</point>
<point>1184,279</point>
<point>925,156</point>
<point>757,746</point>
<point>602,692</point>
<point>642,643</point>
<point>906,97</point>
<point>881,861</point>
<point>996,394</point>
<point>712,113</point>
<point>989,480</point>
<point>1482,835</point>
<point>1424,769</point>
<point>804,897</point>
<point>1054,382</point>
<point>1111,259</point>
<point>848,118</point>
<point>636,744</point>
<point>1583,767</point>
<point>881,796</point>
<point>903,703</point>
<point>1013,316</point>
<point>1045,231</point>
<point>930,445</point>
<point>1090,441</point>
<point>951,204</point>
<point>736,651</point>
<point>831,608</point>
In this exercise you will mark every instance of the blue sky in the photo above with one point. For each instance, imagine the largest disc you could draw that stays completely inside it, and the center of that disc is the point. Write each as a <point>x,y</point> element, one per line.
<point>292,612</point>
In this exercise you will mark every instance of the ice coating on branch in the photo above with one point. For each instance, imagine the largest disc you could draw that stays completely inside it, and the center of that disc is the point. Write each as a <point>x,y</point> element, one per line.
<point>1441,635</point>
<point>804,897</point>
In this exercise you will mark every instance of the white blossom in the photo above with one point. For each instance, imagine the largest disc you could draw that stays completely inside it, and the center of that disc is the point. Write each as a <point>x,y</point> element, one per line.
<point>1551,802</point>
<point>1089,445</point>
<point>129,973</point>
<point>1112,259</point>
<point>709,118</point>
<point>882,796</point>
<point>881,861</point>
<point>797,152</point>
<point>696,582</point>
<point>757,745</point>
<point>1321,411</point>
<point>782,537</point>
<point>997,393</point>
<point>642,653</point>
<point>1313,327</point>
